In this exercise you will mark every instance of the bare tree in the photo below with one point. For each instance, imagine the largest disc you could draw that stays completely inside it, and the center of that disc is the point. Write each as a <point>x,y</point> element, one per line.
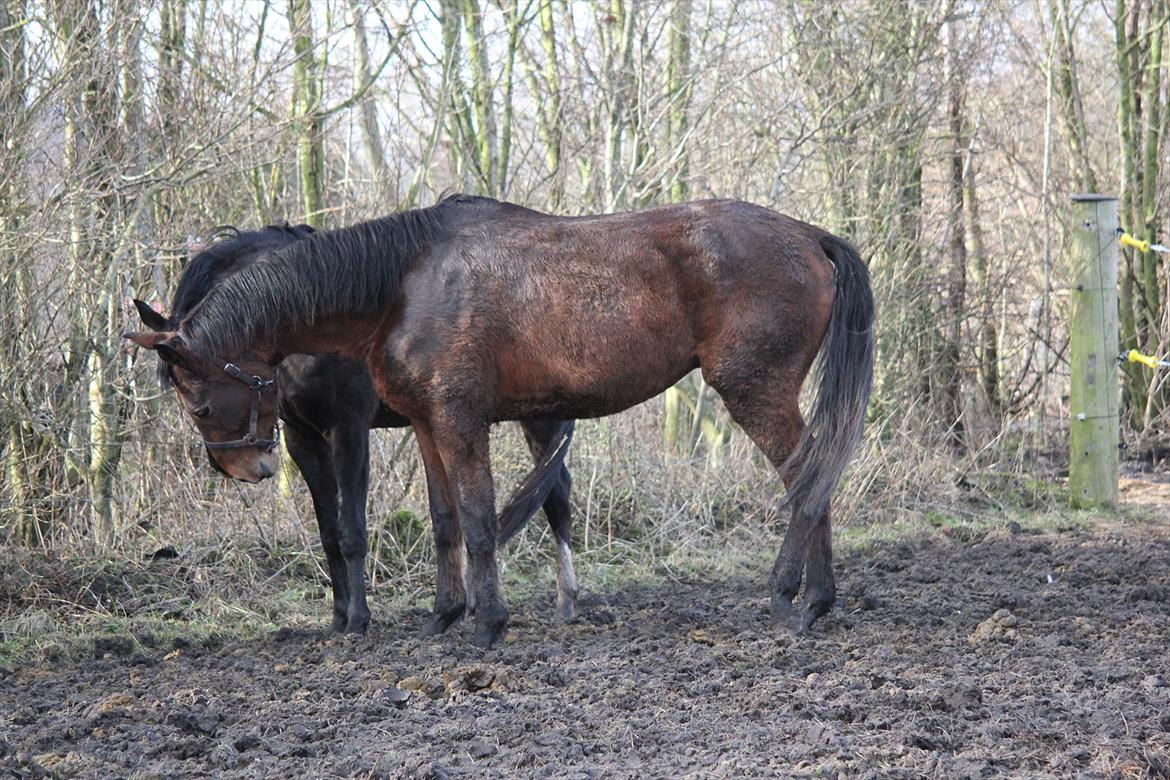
<point>1140,31</point>
<point>909,127</point>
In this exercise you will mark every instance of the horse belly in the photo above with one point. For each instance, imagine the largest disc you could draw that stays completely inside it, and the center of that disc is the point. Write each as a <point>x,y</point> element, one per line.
<point>595,362</point>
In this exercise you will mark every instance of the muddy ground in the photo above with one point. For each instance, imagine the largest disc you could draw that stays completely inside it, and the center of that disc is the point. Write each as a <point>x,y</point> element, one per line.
<point>1015,651</point>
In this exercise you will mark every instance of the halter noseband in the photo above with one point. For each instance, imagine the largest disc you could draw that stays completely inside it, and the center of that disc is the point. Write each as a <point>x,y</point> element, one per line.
<point>249,439</point>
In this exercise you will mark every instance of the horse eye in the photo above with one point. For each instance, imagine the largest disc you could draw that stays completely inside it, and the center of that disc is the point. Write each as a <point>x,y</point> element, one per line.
<point>202,411</point>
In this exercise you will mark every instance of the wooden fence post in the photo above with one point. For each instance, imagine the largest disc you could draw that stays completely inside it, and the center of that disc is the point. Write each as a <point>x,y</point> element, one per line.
<point>1093,405</point>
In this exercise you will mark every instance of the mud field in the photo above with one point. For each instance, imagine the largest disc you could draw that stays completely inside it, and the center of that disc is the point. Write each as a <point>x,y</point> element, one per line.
<point>1012,652</point>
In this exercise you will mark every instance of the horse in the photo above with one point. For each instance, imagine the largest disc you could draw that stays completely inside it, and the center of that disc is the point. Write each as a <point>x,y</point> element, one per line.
<point>328,406</point>
<point>533,316</point>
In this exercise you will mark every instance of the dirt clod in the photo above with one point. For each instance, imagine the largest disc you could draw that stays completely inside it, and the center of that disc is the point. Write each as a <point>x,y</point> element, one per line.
<point>413,683</point>
<point>479,749</point>
<point>475,678</point>
<point>396,696</point>
<point>1001,626</point>
<point>115,706</point>
<point>193,723</point>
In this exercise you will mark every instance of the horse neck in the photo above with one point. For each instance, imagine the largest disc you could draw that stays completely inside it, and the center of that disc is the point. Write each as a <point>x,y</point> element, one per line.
<point>221,261</point>
<point>320,296</point>
<point>339,335</point>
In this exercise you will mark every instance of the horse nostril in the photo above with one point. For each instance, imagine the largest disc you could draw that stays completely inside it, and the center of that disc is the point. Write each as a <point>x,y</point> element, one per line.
<point>265,470</point>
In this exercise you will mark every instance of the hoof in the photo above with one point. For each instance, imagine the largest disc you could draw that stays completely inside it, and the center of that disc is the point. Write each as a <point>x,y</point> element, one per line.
<point>442,620</point>
<point>784,613</point>
<point>339,624</point>
<point>811,614</point>
<point>486,636</point>
<point>357,625</point>
<point>567,605</point>
<point>567,612</point>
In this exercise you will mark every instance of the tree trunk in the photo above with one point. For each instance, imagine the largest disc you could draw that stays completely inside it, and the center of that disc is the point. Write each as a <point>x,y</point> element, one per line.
<point>987,351</point>
<point>1139,32</point>
<point>951,369</point>
<point>384,188</point>
<point>306,113</point>
<point>683,399</point>
<point>95,155</point>
<point>21,488</point>
<point>1068,91</point>
<point>616,32</point>
<point>460,128</point>
<point>485,140</point>
<point>171,46</point>
<point>550,115</point>
<point>514,17</point>
<point>678,95</point>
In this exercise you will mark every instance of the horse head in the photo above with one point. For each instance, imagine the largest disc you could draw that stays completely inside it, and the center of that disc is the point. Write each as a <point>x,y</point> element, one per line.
<point>232,403</point>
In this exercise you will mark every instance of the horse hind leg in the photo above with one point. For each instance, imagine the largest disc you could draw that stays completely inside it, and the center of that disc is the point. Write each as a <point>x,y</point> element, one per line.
<point>542,437</point>
<point>820,585</point>
<point>351,458</point>
<point>769,412</point>
<point>807,548</point>
<point>556,508</point>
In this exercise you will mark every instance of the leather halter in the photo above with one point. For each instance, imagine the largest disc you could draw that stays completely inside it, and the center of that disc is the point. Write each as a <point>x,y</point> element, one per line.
<point>249,439</point>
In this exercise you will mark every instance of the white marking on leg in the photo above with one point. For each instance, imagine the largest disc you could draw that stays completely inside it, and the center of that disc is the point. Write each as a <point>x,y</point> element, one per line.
<point>566,583</point>
<point>465,575</point>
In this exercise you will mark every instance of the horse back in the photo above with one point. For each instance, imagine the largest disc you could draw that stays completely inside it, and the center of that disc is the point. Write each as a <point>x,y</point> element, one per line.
<point>549,315</point>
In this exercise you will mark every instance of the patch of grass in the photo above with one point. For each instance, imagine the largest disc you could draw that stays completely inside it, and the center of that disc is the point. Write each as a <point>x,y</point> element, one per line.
<point>71,637</point>
<point>961,526</point>
<point>53,608</point>
<point>245,585</point>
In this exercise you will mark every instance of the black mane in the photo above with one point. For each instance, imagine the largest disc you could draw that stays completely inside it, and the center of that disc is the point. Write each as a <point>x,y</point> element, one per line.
<point>223,257</point>
<point>352,269</point>
<point>210,266</point>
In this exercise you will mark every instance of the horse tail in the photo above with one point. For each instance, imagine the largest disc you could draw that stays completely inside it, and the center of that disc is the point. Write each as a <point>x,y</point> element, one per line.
<point>845,377</point>
<point>533,491</point>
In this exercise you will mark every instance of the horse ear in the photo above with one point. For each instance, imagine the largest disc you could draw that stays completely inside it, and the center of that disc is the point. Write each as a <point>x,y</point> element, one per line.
<point>147,339</point>
<point>166,343</point>
<point>151,318</point>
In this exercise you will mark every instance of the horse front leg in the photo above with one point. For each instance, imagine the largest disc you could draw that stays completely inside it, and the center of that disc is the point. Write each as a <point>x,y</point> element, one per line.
<point>450,595</point>
<point>466,458</point>
<point>351,459</point>
<point>314,459</point>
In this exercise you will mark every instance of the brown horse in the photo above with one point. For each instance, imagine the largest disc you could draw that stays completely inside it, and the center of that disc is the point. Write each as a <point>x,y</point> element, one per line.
<point>533,317</point>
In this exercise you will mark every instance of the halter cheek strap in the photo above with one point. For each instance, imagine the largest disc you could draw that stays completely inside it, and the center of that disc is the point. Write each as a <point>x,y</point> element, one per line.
<point>249,439</point>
